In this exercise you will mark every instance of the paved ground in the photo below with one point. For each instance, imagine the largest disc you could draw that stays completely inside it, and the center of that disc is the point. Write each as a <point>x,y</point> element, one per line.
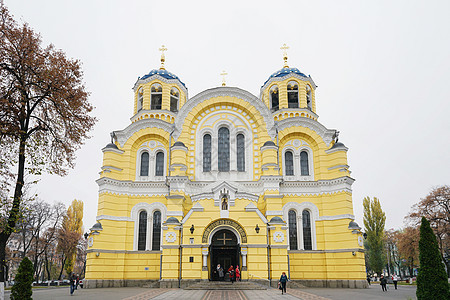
<point>373,292</point>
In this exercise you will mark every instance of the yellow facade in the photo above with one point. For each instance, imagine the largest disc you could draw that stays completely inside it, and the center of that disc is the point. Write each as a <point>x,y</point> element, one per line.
<point>225,177</point>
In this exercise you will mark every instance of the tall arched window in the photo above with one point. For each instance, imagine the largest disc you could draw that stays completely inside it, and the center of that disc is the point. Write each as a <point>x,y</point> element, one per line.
<point>293,244</point>
<point>159,166</point>
<point>289,163</point>
<point>156,243</point>
<point>142,235</point>
<point>224,150</point>
<point>206,153</point>
<point>156,96</point>
<point>140,102</point>
<point>304,167</point>
<point>274,99</point>
<point>307,241</point>
<point>144,163</point>
<point>308,97</point>
<point>240,152</point>
<point>292,89</point>
<point>174,98</point>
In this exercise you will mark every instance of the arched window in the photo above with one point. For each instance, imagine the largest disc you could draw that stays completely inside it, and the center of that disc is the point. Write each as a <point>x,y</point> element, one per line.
<point>289,163</point>
<point>144,163</point>
<point>142,236</point>
<point>206,153</point>
<point>293,244</point>
<point>274,99</point>
<point>224,150</point>
<point>307,241</point>
<point>174,98</point>
<point>240,152</point>
<point>304,167</point>
<point>140,102</point>
<point>156,96</point>
<point>308,97</point>
<point>292,89</point>
<point>159,166</point>
<point>156,242</point>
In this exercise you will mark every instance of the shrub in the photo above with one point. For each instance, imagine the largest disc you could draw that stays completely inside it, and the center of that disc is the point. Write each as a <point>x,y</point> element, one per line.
<point>21,289</point>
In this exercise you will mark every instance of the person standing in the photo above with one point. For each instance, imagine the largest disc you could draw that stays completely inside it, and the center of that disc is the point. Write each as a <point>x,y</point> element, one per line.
<point>283,281</point>
<point>231,273</point>
<point>238,274</point>
<point>395,279</point>
<point>220,271</point>
<point>383,282</point>
<point>368,279</point>
<point>72,279</point>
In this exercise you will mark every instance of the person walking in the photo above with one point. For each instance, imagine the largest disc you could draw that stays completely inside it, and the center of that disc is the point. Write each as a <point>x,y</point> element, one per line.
<point>72,279</point>
<point>238,274</point>
<point>283,280</point>
<point>383,282</point>
<point>395,279</point>
<point>77,282</point>
<point>368,279</point>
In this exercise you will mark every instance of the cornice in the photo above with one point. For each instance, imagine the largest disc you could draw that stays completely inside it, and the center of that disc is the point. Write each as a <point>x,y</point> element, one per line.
<point>277,79</point>
<point>224,92</point>
<point>160,78</point>
<point>132,188</point>
<point>320,187</point>
<point>326,134</point>
<point>123,135</point>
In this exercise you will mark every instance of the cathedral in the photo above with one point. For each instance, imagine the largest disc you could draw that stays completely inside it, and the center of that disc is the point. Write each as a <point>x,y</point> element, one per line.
<point>229,178</point>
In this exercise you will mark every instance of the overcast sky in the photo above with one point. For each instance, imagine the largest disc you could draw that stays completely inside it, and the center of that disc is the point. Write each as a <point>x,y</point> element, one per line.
<point>382,67</point>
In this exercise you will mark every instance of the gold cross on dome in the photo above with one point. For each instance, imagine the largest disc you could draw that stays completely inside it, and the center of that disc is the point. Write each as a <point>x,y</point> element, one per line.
<point>163,58</point>
<point>223,79</point>
<point>285,48</point>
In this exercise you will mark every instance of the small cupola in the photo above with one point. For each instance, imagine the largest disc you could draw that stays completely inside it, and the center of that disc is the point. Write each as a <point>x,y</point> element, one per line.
<point>159,94</point>
<point>288,92</point>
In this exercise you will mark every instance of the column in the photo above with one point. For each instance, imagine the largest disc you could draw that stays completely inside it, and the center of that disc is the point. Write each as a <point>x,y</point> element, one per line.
<point>244,259</point>
<point>205,259</point>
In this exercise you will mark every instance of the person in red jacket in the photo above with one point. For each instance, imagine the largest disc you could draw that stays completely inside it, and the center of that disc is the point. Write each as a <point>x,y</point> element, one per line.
<point>238,274</point>
<point>231,272</point>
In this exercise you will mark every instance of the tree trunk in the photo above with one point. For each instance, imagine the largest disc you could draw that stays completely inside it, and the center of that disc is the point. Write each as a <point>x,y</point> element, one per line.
<point>63,261</point>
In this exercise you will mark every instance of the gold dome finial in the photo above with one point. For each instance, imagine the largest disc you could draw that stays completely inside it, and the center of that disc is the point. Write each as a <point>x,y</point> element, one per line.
<point>223,77</point>
<point>163,58</point>
<point>284,48</point>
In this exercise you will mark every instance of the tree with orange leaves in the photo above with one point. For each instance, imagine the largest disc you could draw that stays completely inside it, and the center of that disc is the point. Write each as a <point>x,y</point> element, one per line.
<point>44,113</point>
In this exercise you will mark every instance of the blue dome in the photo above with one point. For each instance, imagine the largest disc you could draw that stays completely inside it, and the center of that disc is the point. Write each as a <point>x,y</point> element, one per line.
<point>284,72</point>
<point>163,73</point>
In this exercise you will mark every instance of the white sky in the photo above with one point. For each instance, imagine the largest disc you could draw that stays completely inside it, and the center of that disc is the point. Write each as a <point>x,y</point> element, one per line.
<point>382,67</point>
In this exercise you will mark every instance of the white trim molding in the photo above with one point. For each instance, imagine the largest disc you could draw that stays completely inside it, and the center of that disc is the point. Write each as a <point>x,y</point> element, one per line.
<point>132,188</point>
<point>319,187</point>
<point>327,135</point>
<point>150,208</point>
<point>122,136</point>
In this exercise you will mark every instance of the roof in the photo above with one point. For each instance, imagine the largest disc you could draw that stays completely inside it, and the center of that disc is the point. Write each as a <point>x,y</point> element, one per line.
<point>172,220</point>
<point>111,145</point>
<point>276,220</point>
<point>338,145</point>
<point>163,73</point>
<point>284,72</point>
<point>179,144</point>
<point>269,143</point>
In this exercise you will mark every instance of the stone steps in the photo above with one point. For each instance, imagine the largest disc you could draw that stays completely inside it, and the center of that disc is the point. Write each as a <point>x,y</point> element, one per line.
<point>221,285</point>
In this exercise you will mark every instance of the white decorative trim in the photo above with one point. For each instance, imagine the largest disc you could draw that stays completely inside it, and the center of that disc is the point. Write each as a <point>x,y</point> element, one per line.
<point>338,148</point>
<point>107,149</point>
<point>171,237</point>
<point>320,187</point>
<point>196,207</point>
<point>336,217</point>
<point>111,168</point>
<point>274,213</point>
<point>224,92</point>
<point>278,236</point>
<point>296,151</point>
<point>132,188</point>
<point>113,218</point>
<point>340,167</point>
<point>152,148</point>
<point>252,207</point>
<point>238,236</point>
<point>326,134</point>
<point>122,136</point>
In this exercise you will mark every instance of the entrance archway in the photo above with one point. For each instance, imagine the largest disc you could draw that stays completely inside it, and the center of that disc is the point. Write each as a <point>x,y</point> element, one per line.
<point>224,250</point>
